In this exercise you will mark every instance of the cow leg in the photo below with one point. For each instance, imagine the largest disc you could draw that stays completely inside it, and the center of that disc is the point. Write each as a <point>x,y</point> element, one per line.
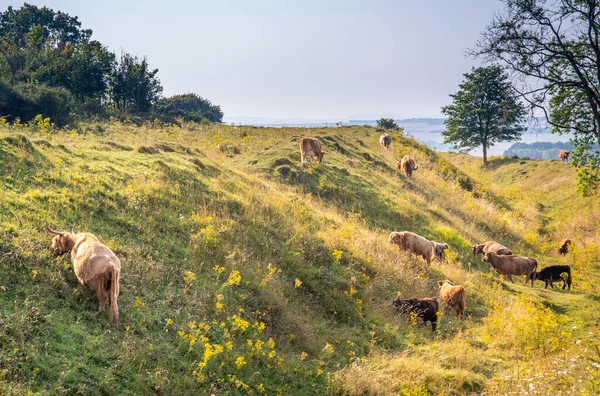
<point>545,287</point>
<point>552,284</point>
<point>433,325</point>
<point>303,159</point>
<point>510,278</point>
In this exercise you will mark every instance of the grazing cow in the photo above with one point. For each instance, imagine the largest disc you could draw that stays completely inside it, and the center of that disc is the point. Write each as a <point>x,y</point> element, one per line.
<point>491,246</point>
<point>552,274</point>
<point>310,147</point>
<point>453,297</point>
<point>407,165</point>
<point>510,265</point>
<point>385,140</point>
<point>424,308</point>
<point>564,156</point>
<point>413,243</point>
<point>439,249</point>
<point>563,247</point>
<point>95,265</point>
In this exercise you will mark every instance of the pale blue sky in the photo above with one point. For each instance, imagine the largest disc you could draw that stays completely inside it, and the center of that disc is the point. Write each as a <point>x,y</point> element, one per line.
<point>304,59</point>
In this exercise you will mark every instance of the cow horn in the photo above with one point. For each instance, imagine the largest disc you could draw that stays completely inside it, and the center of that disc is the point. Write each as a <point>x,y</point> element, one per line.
<point>73,230</point>
<point>50,230</point>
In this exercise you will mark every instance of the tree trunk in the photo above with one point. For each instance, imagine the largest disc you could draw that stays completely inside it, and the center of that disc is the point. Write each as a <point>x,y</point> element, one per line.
<point>485,154</point>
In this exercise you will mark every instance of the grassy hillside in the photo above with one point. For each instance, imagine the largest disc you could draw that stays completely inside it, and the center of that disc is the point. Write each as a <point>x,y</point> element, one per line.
<point>243,273</point>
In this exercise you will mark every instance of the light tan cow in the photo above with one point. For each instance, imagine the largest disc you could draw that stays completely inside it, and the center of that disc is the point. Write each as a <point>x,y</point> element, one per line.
<point>95,265</point>
<point>415,244</point>
<point>510,265</point>
<point>564,156</point>
<point>491,246</point>
<point>453,297</point>
<point>310,147</point>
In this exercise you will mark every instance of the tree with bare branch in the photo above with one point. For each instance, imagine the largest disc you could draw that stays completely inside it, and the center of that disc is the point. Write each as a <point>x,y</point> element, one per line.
<point>552,49</point>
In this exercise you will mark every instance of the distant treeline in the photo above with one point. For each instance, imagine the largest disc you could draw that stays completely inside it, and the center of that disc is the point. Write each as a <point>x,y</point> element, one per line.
<point>538,150</point>
<point>50,65</point>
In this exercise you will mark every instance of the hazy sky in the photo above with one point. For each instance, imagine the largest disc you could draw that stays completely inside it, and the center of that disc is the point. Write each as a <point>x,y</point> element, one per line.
<point>303,59</point>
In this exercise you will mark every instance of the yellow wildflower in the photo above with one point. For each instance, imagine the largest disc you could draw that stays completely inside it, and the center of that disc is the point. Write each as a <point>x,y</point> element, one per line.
<point>240,361</point>
<point>297,283</point>
<point>234,278</point>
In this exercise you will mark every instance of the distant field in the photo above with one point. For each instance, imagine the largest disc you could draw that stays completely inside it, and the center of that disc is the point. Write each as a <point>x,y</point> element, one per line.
<point>244,273</point>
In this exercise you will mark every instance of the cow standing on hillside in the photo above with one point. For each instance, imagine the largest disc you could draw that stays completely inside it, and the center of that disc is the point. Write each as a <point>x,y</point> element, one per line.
<point>415,244</point>
<point>95,265</point>
<point>310,147</point>
<point>563,246</point>
<point>385,140</point>
<point>491,246</point>
<point>552,274</point>
<point>424,308</point>
<point>510,265</point>
<point>407,165</point>
<point>564,156</point>
<point>453,297</point>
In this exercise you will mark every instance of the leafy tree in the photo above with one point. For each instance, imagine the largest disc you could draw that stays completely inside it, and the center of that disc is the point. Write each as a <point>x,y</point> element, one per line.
<point>190,107</point>
<point>387,123</point>
<point>553,48</point>
<point>484,111</point>
<point>134,87</point>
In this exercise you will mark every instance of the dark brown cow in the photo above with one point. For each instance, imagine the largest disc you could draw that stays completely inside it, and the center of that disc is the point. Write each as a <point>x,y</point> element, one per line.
<point>424,308</point>
<point>564,156</point>
<point>407,165</point>
<point>563,247</point>
<point>310,147</point>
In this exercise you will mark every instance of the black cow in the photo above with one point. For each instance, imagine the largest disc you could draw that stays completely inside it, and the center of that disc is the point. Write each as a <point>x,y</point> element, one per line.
<point>425,308</point>
<point>552,274</point>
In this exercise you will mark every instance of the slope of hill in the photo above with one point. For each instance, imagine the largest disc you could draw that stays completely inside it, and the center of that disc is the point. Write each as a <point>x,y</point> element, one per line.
<point>243,273</point>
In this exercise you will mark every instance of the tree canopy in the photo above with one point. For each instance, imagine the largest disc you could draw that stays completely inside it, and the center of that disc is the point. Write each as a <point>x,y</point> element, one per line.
<point>50,65</point>
<point>553,51</point>
<point>387,123</point>
<point>484,111</point>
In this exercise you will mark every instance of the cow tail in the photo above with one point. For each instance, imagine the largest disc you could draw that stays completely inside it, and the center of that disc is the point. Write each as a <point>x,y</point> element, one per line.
<point>113,313</point>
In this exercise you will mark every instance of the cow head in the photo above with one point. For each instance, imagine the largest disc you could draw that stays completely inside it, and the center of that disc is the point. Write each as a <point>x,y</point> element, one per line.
<point>477,249</point>
<point>63,242</point>
<point>441,283</point>
<point>321,156</point>
<point>486,258</point>
<point>533,276</point>
<point>394,238</point>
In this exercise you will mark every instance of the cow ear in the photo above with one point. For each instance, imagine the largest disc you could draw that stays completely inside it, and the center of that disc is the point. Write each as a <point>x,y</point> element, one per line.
<point>323,152</point>
<point>440,283</point>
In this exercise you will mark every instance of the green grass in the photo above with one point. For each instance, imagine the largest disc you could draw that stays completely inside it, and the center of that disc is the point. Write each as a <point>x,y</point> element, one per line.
<point>244,272</point>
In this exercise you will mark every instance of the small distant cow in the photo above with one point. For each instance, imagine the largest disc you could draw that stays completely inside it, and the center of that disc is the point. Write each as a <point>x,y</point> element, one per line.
<point>453,297</point>
<point>95,265</point>
<point>310,147</point>
<point>563,247</point>
<point>552,274</point>
<point>491,246</point>
<point>564,156</point>
<point>424,308</point>
<point>407,165</point>
<point>385,140</point>
<point>415,244</point>
<point>510,265</point>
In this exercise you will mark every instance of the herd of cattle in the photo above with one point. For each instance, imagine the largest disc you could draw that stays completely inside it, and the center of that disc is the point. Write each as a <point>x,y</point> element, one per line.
<point>98,268</point>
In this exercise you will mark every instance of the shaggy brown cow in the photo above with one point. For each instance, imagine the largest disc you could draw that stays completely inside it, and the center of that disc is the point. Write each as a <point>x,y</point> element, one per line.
<point>564,156</point>
<point>510,265</point>
<point>310,147</point>
<point>439,250</point>
<point>385,140</point>
<point>413,243</point>
<point>491,246</point>
<point>563,247</point>
<point>453,297</point>
<point>424,308</point>
<point>95,265</point>
<point>407,165</point>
